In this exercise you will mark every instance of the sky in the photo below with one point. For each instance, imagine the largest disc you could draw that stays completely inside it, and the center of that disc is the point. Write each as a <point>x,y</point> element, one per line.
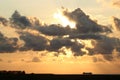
<point>98,9</point>
<point>60,36</point>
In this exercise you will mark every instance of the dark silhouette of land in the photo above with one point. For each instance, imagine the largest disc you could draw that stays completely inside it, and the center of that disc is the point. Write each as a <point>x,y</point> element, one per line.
<point>21,75</point>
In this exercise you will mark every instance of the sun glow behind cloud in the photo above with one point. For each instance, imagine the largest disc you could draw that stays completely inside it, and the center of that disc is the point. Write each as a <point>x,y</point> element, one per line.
<point>64,20</point>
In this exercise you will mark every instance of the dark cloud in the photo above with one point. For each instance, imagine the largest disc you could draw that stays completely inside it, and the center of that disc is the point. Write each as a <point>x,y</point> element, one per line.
<point>106,45</point>
<point>19,21</point>
<point>33,42</point>
<point>116,23</point>
<point>86,36</point>
<point>8,44</point>
<point>54,30</point>
<point>1,36</point>
<point>83,23</point>
<point>57,43</point>
<point>86,29</point>
<point>76,49</point>
<point>3,21</point>
<point>36,59</point>
<point>35,21</point>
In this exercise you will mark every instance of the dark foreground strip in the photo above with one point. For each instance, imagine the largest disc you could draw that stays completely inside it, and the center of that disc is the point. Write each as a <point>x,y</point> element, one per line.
<point>58,77</point>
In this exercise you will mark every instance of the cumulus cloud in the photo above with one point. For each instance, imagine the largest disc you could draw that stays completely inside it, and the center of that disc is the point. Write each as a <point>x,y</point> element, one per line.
<point>87,29</point>
<point>106,45</point>
<point>76,48</point>
<point>3,21</point>
<point>19,21</point>
<point>58,43</point>
<point>83,23</point>
<point>54,30</point>
<point>62,37</point>
<point>22,22</point>
<point>33,42</point>
<point>7,44</point>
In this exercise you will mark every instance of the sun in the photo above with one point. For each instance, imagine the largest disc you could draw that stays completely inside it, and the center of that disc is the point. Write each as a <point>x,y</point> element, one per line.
<point>63,20</point>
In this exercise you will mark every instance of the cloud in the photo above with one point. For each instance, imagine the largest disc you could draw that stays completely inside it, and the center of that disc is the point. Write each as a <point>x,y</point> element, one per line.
<point>33,42</point>
<point>106,45</point>
<point>86,36</point>
<point>19,21</point>
<point>116,23</point>
<point>3,21</point>
<point>7,44</point>
<point>57,43</point>
<point>90,30</point>
<point>23,22</point>
<point>83,23</point>
<point>54,30</point>
<point>76,48</point>
<point>62,38</point>
<point>36,59</point>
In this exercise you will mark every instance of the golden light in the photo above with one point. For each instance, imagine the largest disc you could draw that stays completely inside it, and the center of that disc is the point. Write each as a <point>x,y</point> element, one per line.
<point>67,51</point>
<point>87,43</point>
<point>64,21</point>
